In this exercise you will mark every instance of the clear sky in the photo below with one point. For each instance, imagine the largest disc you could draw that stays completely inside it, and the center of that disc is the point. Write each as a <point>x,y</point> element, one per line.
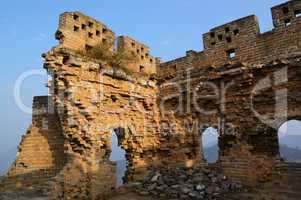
<point>169,27</point>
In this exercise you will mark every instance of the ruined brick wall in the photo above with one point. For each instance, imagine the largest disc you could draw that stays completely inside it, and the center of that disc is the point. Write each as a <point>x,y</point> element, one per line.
<point>93,100</point>
<point>41,152</point>
<point>248,147</point>
<point>240,41</point>
<point>240,76</point>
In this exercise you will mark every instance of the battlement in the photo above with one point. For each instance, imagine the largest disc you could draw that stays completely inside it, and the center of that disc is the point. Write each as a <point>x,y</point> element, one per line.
<point>79,32</point>
<point>233,32</point>
<point>240,41</point>
<point>146,62</point>
<point>286,13</point>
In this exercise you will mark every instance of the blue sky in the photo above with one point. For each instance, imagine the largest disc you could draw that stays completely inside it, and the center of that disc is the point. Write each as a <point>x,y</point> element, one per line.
<point>169,27</point>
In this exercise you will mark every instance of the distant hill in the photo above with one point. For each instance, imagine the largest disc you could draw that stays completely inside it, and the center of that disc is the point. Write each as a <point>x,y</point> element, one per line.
<point>292,141</point>
<point>211,153</point>
<point>289,154</point>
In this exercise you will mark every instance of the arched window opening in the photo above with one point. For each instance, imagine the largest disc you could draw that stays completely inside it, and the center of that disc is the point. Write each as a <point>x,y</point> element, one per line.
<point>289,135</point>
<point>118,156</point>
<point>210,145</point>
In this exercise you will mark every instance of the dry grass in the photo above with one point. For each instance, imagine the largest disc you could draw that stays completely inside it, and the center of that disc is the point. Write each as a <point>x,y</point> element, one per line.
<point>104,52</point>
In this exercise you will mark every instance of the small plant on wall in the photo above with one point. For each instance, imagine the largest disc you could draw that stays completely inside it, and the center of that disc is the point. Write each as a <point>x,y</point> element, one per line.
<point>105,52</point>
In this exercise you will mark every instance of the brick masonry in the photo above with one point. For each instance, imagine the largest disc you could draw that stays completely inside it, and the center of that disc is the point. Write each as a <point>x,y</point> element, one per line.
<point>79,32</point>
<point>239,77</point>
<point>41,151</point>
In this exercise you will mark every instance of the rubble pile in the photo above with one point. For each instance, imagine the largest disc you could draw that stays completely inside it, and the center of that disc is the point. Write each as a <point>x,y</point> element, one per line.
<point>187,183</point>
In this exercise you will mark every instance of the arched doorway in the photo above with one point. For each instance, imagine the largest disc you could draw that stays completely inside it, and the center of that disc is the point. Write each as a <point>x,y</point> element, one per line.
<point>118,155</point>
<point>289,135</point>
<point>210,145</point>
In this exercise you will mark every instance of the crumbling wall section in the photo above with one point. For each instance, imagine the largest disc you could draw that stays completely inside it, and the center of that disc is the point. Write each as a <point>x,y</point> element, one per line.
<point>41,152</point>
<point>238,101</point>
<point>92,100</point>
<point>238,83</point>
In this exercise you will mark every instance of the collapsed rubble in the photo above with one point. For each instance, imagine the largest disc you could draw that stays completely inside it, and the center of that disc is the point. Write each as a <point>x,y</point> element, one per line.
<point>187,183</point>
<point>38,192</point>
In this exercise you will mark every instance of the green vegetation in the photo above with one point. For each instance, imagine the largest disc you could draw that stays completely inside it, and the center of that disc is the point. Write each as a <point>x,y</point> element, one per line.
<point>104,52</point>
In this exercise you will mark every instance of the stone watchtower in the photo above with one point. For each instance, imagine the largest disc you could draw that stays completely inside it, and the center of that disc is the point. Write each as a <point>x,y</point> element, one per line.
<point>80,33</point>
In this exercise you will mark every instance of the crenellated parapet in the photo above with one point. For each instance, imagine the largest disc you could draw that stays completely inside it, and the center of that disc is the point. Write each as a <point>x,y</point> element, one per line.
<point>230,40</point>
<point>286,13</point>
<point>79,32</point>
<point>144,62</point>
<point>241,41</point>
